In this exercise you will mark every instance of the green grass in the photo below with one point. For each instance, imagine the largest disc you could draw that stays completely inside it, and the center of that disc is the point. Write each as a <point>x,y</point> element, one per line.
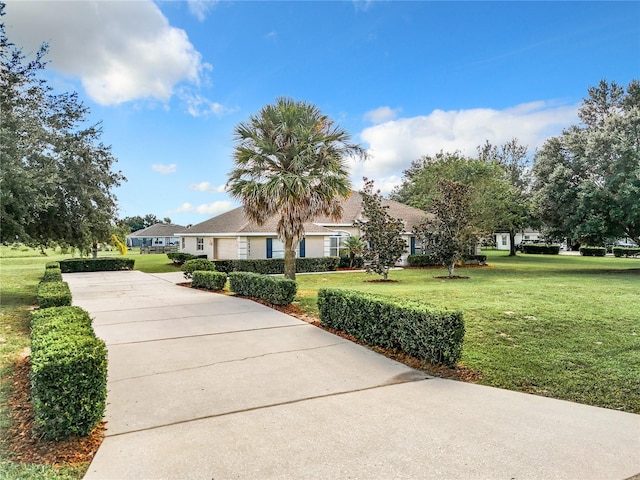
<point>20,271</point>
<point>561,326</point>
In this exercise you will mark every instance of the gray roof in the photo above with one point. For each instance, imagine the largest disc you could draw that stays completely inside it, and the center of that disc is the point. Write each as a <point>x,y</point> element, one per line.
<point>159,230</point>
<point>234,221</point>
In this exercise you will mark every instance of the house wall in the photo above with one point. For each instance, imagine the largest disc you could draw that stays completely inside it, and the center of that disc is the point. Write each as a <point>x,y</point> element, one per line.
<point>503,242</point>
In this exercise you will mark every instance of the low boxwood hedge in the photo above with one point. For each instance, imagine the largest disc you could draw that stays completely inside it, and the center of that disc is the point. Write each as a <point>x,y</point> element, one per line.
<point>275,266</point>
<point>345,262</point>
<point>421,260</point>
<point>108,264</point>
<point>593,251</point>
<point>540,248</point>
<point>276,290</point>
<point>52,275</point>
<point>52,265</point>
<point>197,264</point>
<point>68,373</point>
<point>422,331</point>
<point>626,251</point>
<point>208,280</point>
<point>178,258</point>
<point>53,294</point>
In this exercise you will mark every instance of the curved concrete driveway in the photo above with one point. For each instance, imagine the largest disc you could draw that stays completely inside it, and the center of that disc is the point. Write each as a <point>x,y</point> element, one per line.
<point>208,386</point>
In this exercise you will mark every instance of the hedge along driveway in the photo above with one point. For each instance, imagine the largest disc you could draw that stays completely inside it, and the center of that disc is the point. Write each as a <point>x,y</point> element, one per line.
<point>561,326</point>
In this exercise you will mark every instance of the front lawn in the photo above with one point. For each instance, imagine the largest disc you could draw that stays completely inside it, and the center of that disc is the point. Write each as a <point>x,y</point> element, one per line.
<point>566,327</point>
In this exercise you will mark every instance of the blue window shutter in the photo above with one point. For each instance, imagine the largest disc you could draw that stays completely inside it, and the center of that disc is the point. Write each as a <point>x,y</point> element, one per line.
<point>413,245</point>
<point>302,248</point>
<point>269,248</point>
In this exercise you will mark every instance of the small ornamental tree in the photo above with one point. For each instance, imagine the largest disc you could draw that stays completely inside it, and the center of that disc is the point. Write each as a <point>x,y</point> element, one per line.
<point>450,233</point>
<point>382,234</point>
<point>354,247</point>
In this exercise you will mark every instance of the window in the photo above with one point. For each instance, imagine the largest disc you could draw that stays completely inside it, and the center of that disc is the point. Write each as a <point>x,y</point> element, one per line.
<point>335,243</point>
<point>183,243</point>
<point>275,248</point>
<point>504,240</point>
<point>199,243</point>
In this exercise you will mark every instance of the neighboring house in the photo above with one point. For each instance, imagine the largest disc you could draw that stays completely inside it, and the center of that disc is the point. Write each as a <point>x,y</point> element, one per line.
<point>158,235</point>
<point>232,236</point>
<point>526,235</point>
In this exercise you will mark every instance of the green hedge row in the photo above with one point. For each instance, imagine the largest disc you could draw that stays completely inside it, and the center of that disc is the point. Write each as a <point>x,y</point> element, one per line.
<point>197,264</point>
<point>52,265</point>
<point>593,251</point>
<point>626,251</point>
<point>424,332</point>
<point>53,294</point>
<point>480,259</point>
<point>345,262</point>
<point>540,248</point>
<point>209,280</point>
<point>68,373</point>
<point>421,260</point>
<point>178,258</point>
<point>96,264</point>
<point>52,275</point>
<point>275,266</point>
<point>279,291</point>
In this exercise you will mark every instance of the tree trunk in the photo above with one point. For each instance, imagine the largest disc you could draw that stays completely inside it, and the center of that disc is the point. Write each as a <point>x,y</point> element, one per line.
<point>289,260</point>
<point>451,267</point>
<point>512,243</point>
<point>94,250</point>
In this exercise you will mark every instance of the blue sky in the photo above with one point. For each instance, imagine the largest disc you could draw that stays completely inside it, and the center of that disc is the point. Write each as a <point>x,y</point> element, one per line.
<point>170,79</point>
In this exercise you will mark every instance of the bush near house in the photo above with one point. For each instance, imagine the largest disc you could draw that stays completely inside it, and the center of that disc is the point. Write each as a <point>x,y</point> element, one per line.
<point>209,280</point>
<point>425,332</point>
<point>178,258</point>
<point>540,248</point>
<point>68,372</point>
<point>197,264</point>
<point>275,266</point>
<point>105,264</point>
<point>421,260</point>
<point>626,251</point>
<point>53,294</point>
<point>279,291</point>
<point>593,251</point>
<point>345,262</point>
<point>52,275</point>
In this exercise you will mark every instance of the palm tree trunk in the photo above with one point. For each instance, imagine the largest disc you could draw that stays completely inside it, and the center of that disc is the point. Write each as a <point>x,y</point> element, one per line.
<point>289,260</point>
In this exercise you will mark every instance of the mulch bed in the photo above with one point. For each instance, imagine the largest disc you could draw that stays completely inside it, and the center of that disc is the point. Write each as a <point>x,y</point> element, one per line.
<point>22,445</point>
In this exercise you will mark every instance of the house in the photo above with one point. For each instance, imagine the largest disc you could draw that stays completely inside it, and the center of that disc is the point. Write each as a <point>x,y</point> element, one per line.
<point>158,235</point>
<point>232,236</point>
<point>526,235</point>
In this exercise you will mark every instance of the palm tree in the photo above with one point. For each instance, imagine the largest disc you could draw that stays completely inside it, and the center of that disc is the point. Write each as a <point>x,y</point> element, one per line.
<point>354,247</point>
<point>290,160</point>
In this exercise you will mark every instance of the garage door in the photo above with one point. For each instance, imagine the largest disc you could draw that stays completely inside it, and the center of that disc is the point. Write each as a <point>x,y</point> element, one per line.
<point>226,248</point>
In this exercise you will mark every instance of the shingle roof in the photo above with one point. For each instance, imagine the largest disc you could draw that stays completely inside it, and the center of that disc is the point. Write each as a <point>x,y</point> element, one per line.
<point>234,221</point>
<point>159,230</point>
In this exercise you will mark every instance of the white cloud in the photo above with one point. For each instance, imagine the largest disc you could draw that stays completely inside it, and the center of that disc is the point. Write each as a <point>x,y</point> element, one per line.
<point>200,8</point>
<point>121,51</point>
<point>207,187</point>
<point>199,106</point>
<point>393,145</point>
<point>382,114</point>
<point>215,208</point>
<point>164,169</point>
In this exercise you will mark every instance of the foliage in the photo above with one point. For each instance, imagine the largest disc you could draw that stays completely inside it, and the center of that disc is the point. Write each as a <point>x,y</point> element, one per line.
<point>55,174</point>
<point>540,248</point>
<point>122,248</point>
<point>52,275</point>
<point>52,265</point>
<point>588,179</point>
<point>593,251</point>
<point>104,264</point>
<point>53,294</point>
<point>279,291</point>
<point>382,234</point>
<point>354,247</point>
<point>209,280</point>
<point>137,222</point>
<point>348,262</point>
<point>424,332</point>
<point>422,260</point>
<point>625,251</point>
<point>200,264</point>
<point>290,162</point>
<point>69,373</point>
<point>450,234</point>
<point>178,258</point>
<point>274,266</point>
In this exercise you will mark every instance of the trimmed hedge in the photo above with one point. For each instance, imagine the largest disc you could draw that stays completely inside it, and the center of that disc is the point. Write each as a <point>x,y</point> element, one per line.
<point>178,258</point>
<point>279,291</point>
<point>209,280</point>
<point>68,373</point>
<point>52,265</point>
<point>53,294</point>
<point>593,251</point>
<point>470,259</point>
<point>199,264</point>
<point>109,264</point>
<point>275,266</point>
<point>345,262</point>
<point>540,248</point>
<point>424,332</point>
<point>52,275</point>
<point>626,251</point>
<point>421,260</point>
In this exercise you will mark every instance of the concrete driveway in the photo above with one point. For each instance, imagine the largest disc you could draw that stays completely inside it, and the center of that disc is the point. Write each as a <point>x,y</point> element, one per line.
<point>207,386</point>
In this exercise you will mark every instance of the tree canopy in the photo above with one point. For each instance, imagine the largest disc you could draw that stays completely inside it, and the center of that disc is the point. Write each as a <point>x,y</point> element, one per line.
<point>587,181</point>
<point>56,176</point>
<point>290,161</point>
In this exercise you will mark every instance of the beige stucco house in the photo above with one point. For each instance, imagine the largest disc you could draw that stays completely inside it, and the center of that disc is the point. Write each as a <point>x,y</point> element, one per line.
<point>232,236</point>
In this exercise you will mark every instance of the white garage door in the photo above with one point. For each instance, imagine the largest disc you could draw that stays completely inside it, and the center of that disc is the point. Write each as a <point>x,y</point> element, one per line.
<point>226,248</point>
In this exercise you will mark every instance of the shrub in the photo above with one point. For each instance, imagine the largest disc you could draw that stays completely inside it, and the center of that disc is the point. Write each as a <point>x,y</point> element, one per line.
<point>474,259</point>
<point>275,266</point>
<point>68,373</point>
<point>425,332</point>
<point>209,280</point>
<point>52,275</point>
<point>540,248</point>
<point>626,251</point>
<point>109,264</point>
<point>52,265</point>
<point>200,264</point>
<point>178,258</point>
<point>53,294</point>
<point>593,251</point>
<point>226,266</point>
<point>345,262</point>
<point>279,291</point>
<point>421,260</point>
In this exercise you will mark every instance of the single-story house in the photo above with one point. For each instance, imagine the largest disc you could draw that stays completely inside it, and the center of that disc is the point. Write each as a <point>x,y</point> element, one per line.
<point>158,235</point>
<point>232,235</point>
<point>526,235</point>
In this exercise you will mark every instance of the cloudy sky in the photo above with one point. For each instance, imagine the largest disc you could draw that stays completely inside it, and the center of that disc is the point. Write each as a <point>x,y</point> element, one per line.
<point>170,79</point>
